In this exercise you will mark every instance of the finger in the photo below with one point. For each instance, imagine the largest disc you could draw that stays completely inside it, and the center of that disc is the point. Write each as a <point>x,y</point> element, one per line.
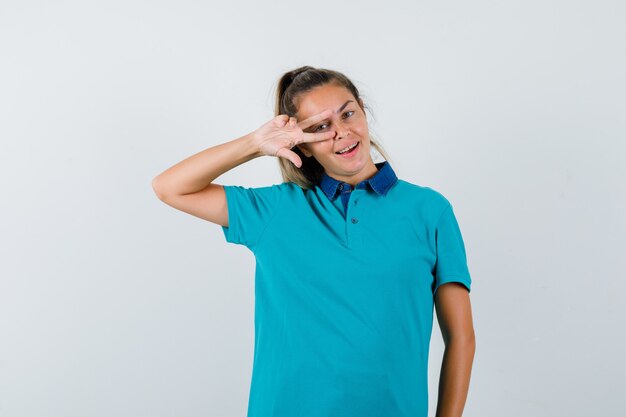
<point>281,120</point>
<point>290,155</point>
<point>317,137</point>
<point>314,119</point>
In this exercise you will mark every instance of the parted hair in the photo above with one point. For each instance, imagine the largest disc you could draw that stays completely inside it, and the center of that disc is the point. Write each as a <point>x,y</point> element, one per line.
<point>290,86</point>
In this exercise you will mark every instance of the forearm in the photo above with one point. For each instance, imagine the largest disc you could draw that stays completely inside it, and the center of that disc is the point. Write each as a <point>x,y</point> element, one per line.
<point>455,377</point>
<point>196,172</point>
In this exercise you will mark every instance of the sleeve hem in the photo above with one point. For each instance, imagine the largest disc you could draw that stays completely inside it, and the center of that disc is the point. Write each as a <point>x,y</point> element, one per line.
<point>229,230</point>
<point>466,281</point>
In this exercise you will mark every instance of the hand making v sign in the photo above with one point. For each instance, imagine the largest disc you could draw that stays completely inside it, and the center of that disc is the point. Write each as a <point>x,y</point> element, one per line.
<point>278,136</point>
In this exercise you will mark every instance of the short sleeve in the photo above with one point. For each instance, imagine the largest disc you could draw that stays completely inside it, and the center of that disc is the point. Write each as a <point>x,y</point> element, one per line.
<point>451,264</point>
<point>250,211</point>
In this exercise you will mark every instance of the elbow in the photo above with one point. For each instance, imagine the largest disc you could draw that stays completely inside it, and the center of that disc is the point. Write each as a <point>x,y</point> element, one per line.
<point>468,343</point>
<point>158,189</point>
<point>465,339</point>
<point>471,342</point>
<point>468,338</point>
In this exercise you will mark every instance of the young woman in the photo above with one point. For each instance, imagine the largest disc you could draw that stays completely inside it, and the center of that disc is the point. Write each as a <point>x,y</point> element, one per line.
<point>350,261</point>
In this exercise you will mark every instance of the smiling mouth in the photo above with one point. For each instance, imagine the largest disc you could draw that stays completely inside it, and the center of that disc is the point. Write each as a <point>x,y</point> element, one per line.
<point>351,151</point>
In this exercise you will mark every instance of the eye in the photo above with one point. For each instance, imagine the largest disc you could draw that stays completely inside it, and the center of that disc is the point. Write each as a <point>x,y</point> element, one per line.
<point>346,114</point>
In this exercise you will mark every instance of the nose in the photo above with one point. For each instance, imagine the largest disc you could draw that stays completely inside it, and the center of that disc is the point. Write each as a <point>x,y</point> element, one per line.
<point>341,130</point>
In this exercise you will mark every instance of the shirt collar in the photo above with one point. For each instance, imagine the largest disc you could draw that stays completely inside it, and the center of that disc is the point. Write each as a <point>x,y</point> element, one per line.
<point>381,182</point>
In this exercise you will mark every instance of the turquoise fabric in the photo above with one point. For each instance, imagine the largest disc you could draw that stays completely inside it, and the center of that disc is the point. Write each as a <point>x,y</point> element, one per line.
<point>344,301</point>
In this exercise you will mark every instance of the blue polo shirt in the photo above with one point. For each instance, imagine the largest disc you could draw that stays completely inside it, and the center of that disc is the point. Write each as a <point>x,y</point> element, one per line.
<point>344,293</point>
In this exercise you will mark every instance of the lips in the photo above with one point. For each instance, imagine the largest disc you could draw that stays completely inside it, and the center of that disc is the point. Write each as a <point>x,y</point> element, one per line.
<point>351,153</point>
<point>344,147</point>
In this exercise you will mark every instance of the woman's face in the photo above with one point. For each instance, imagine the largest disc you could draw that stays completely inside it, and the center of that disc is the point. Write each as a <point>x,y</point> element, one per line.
<point>350,126</point>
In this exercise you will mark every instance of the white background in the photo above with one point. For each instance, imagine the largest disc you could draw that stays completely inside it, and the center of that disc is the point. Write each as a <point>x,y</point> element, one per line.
<point>114,304</point>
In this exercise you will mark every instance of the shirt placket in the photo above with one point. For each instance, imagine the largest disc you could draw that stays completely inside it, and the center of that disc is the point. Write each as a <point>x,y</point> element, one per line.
<point>352,209</point>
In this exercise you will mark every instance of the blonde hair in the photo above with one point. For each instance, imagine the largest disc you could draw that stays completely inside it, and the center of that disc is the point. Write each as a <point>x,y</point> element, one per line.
<point>291,85</point>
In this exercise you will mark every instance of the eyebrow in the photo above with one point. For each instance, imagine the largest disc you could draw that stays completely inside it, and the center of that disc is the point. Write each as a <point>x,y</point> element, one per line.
<point>343,106</point>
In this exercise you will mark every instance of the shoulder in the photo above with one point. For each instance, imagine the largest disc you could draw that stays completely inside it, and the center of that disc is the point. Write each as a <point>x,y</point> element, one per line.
<point>272,189</point>
<point>425,198</point>
<point>284,191</point>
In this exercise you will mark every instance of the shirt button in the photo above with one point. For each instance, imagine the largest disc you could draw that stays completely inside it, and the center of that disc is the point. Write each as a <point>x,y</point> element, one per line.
<point>355,220</point>
<point>341,186</point>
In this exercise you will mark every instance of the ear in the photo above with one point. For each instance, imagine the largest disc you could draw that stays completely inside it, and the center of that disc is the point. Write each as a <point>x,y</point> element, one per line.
<point>304,150</point>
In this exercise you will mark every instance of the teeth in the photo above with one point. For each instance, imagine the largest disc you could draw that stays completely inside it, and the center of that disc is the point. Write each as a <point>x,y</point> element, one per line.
<point>347,149</point>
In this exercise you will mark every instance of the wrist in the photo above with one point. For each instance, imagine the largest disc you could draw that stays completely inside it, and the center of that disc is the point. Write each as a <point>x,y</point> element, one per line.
<point>252,144</point>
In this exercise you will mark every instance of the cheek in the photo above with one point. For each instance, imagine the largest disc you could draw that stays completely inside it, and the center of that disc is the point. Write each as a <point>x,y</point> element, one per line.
<point>361,126</point>
<point>321,147</point>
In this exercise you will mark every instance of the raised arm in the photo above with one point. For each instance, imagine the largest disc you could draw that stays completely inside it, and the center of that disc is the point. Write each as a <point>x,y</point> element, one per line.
<point>188,186</point>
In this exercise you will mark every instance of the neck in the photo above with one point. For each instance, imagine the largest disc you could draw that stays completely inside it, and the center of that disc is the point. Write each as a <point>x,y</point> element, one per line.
<point>366,173</point>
